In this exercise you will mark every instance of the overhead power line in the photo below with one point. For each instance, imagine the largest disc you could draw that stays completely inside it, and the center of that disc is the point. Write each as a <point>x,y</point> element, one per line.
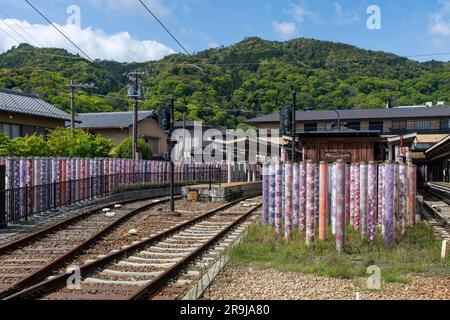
<point>9,35</point>
<point>59,30</point>
<point>165,28</point>
<point>18,26</point>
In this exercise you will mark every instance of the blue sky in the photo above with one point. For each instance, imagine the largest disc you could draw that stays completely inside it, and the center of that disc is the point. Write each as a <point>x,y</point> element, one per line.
<point>123,30</point>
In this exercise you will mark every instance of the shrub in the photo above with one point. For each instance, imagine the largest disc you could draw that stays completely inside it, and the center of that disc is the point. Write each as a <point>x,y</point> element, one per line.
<point>125,149</point>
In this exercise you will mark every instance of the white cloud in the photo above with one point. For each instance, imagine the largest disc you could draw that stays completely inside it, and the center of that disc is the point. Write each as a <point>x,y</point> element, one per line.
<point>95,42</point>
<point>301,12</point>
<point>440,22</point>
<point>213,45</point>
<point>286,30</point>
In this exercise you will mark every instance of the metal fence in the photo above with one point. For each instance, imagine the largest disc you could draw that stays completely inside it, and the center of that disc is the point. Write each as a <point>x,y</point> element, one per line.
<point>22,203</point>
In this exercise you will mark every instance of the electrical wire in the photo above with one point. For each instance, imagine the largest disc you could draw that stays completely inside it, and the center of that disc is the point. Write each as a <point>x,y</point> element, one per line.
<point>17,25</point>
<point>165,28</point>
<point>59,30</point>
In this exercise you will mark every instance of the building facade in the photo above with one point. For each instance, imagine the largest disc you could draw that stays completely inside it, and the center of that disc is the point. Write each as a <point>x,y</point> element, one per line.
<point>118,126</point>
<point>23,114</point>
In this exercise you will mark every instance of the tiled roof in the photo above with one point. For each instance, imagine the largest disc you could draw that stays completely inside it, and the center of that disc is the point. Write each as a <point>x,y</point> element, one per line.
<point>110,119</point>
<point>356,114</point>
<point>18,102</point>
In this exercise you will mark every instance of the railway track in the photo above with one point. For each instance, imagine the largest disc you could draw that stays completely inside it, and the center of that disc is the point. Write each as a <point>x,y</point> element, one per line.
<point>146,268</point>
<point>440,225</point>
<point>30,259</point>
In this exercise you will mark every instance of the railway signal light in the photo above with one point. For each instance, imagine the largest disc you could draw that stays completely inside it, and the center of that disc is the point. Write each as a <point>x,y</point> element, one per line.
<point>286,123</point>
<point>165,119</point>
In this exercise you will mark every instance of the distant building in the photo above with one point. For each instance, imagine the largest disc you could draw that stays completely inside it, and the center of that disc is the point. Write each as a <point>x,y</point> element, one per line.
<point>118,126</point>
<point>23,114</point>
<point>397,128</point>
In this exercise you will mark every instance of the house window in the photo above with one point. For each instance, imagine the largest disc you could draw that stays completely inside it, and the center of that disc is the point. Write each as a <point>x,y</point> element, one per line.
<point>330,126</point>
<point>354,126</point>
<point>11,130</point>
<point>423,125</point>
<point>423,146</point>
<point>311,127</point>
<point>445,124</point>
<point>376,126</point>
<point>399,125</point>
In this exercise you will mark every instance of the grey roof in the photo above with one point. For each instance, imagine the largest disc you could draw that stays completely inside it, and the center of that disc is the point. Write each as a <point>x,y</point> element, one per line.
<point>356,114</point>
<point>110,119</point>
<point>18,102</point>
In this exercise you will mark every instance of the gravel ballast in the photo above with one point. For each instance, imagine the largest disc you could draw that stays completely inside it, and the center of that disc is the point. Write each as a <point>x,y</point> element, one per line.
<point>255,283</point>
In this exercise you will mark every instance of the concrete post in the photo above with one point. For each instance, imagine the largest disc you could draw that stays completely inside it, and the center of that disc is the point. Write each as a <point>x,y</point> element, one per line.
<point>230,173</point>
<point>340,206</point>
<point>323,195</point>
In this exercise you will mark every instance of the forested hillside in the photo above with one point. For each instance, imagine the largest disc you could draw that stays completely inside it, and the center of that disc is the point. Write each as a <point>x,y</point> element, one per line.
<point>224,86</point>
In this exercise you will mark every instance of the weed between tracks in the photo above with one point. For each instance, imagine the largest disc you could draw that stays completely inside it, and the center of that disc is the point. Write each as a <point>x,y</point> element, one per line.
<point>416,252</point>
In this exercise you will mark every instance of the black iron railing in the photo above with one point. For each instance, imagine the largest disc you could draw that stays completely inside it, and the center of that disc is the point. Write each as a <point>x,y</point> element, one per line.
<point>22,203</point>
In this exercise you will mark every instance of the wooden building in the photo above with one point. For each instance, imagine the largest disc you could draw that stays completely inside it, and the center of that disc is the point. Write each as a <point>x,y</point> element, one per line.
<point>351,146</point>
<point>23,114</point>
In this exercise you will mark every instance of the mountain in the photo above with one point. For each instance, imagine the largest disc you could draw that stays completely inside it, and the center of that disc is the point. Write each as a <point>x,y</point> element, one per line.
<point>224,86</point>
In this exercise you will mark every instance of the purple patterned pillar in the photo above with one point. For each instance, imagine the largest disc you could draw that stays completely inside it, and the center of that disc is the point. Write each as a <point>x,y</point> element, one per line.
<point>278,195</point>
<point>296,194</point>
<point>402,197</point>
<point>310,201</point>
<point>372,201</point>
<point>363,199</point>
<point>357,215</point>
<point>352,195</point>
<point>333,198</point>
<point>340,206</point>
<point>265,194</point>
<point>288,202</point>
<point>347,193</point>
<point>388,219</point>
<point>302,198</point>
<point>272,195</point>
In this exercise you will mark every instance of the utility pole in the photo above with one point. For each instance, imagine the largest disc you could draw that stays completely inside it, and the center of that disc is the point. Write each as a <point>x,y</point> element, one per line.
<point>172,165</point>
<point>135,92</point>
<point>294,124</point>
<point>72,99</point>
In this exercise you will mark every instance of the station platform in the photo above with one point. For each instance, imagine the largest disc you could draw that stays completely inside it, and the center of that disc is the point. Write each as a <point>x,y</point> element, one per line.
<point>441,188</point>
<point>440,205</point>
<point>222,192</point>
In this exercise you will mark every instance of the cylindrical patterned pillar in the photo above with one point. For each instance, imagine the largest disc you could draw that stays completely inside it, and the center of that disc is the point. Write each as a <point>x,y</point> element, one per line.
<point>388,219</point>
<point>352,194</point>
<point>412,194</point>
<point>372,204</point>
<point>357,214</point>
<point>302,198</point>
<point>278,195</point>
<point>288,202</point>
<point>363,199</point>
<point>323,194</point>
<point>265,192</point>
<point>272,195</point>
<point>310,195</point>
<point>333,198</point>
<point>296,194</point>
<point>402,196</point>
<point>340,206</point>
<point>347,193</point>
<point>283,189</point>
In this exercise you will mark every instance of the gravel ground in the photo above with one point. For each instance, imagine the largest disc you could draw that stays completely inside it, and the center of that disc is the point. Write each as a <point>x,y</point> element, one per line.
<point>254,283</point>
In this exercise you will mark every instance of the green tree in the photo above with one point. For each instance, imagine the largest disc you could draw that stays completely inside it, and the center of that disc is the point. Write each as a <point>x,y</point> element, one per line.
<point>30,146</point>
<point>125,149</point>
<point>5,145</point>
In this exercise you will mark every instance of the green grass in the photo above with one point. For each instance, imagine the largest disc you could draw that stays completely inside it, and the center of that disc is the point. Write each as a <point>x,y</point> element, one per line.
<point>416,252</point>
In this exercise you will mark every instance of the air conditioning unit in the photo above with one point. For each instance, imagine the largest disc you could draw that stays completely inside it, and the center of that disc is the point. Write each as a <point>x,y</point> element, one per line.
<point>429,104</point>
<point>441,104</point>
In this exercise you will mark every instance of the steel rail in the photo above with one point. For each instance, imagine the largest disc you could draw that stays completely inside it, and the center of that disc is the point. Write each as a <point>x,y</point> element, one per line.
<point>48,285</point>
<point>159,282</point>
<point>47,269</point>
